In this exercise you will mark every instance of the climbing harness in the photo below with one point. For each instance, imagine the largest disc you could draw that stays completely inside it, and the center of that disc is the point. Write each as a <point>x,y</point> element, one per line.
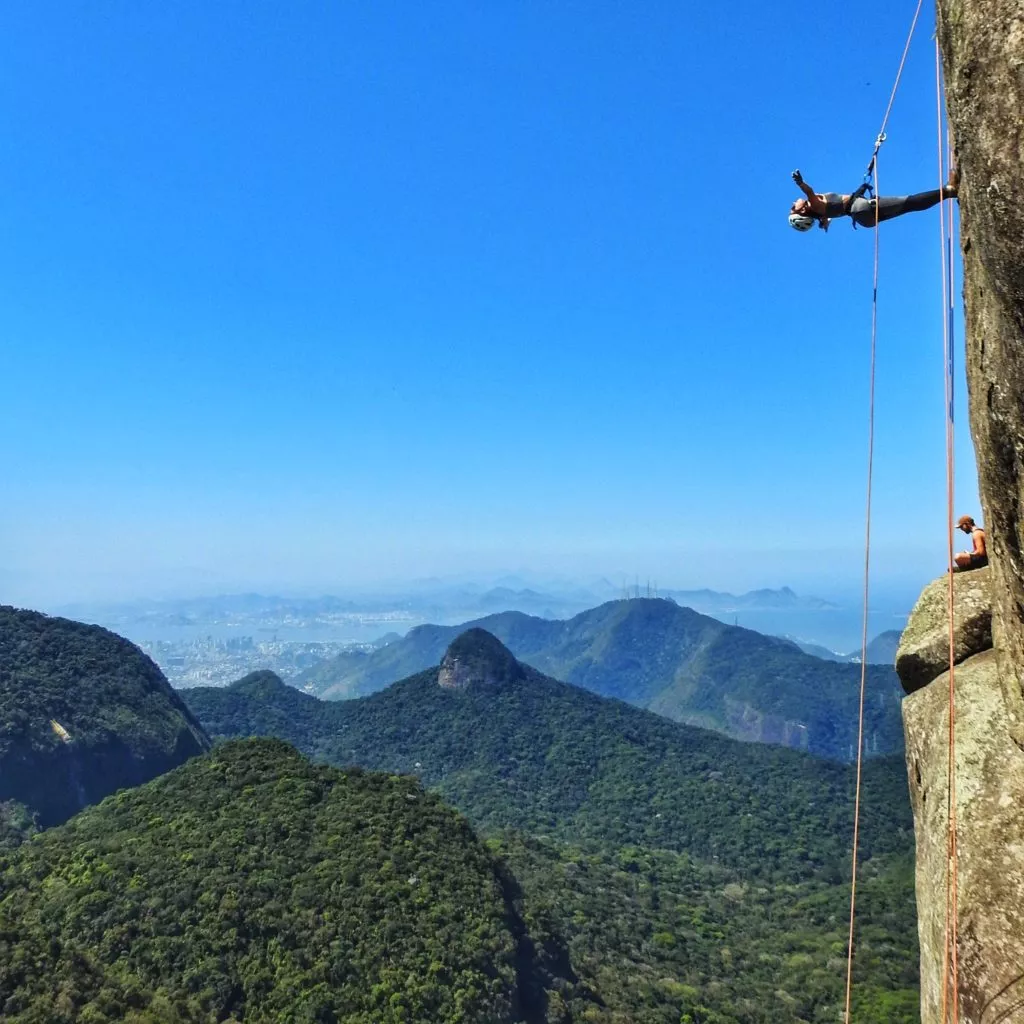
<point>866,187</point>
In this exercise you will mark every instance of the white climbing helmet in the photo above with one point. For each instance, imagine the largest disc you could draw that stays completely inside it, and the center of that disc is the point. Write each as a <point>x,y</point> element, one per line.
<point>801,222</point>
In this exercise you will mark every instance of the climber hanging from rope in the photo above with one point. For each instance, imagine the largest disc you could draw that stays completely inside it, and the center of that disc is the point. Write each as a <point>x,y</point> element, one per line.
<point>819,208</point>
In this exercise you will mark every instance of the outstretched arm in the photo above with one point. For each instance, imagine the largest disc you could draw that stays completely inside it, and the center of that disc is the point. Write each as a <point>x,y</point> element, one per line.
<point>804,187</point>
<point>816,201</point>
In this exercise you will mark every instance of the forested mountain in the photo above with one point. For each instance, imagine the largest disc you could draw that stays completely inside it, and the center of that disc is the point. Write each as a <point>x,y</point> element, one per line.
<point>511,747</point>
<point>690,877</point>
<point>672,660</point>
<point>661,938</point>
<point>82,713</point>
<point>250,885</point>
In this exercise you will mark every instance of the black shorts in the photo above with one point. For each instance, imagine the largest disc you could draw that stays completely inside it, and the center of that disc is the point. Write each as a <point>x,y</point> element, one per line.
<point>976,562</point>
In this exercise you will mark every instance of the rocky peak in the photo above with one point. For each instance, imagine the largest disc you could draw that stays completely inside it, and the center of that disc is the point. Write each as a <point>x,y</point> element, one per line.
<point>477,658</point>
<point>923,653</point>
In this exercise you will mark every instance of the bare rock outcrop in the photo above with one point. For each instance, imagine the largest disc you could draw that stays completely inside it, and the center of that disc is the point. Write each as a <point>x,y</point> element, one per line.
<point>990,830</point>
<point>477,658</point>
<point>923,652</point>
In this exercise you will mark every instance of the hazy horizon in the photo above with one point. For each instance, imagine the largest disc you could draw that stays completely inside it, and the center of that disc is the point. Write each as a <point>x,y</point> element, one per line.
<point>191,583</point>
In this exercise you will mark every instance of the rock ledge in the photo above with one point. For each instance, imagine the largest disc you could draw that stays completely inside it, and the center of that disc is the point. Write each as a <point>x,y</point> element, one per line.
<point>923,653</point>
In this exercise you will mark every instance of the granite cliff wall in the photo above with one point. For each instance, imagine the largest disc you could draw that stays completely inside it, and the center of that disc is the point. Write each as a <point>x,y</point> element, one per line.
<point>983,53</point>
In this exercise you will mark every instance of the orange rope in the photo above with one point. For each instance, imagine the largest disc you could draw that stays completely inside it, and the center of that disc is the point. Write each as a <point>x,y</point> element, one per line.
<point>899,73</point>
<point>864,628</point>
<point>872,170</point>
<point>949,513</point>
<point>950,972</point>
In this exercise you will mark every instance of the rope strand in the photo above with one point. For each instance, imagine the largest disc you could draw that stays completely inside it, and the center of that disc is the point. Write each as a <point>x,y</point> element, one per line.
<point>880,138</point>
<point>950,971</point>
<point>899,73</point>
<point>871,172</point>
<point>864,627</point>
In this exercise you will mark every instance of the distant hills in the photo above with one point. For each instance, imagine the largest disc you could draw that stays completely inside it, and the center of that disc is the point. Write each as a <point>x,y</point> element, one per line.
<point>669,659</point>
<point>712,602</point>
<point>514,748</point>
<point>82,713</point>
<point>880,651</point>
<point>427,600</point>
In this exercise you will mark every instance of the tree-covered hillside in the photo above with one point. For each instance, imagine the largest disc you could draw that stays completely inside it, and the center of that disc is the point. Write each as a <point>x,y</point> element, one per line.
<point>661,938</point>
<point>250,885</point>
<point>672,660</point>
<point>83,712</point>
<point>690,877</point>
<point>526,751</point>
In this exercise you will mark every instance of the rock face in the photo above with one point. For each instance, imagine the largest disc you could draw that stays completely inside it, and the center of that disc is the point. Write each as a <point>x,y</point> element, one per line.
<point>983,50</point>
<point>923,653</point>
<point>477,658</point>
<point>982,45</point>
<point>989,799</point>
<point>990,829</point>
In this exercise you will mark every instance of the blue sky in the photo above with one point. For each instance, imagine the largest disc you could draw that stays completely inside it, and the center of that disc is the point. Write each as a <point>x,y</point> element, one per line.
<point>306,295</point>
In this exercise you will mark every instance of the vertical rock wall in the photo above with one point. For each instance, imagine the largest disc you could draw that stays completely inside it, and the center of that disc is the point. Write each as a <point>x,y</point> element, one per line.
<point>990,820</point>
<point>983,51</point>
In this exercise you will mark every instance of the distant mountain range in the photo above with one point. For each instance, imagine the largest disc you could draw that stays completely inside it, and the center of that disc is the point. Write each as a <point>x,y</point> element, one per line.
<point>712,602</point>
<point>512,747</point>
<point>880,651</point>
<point>431,600</point>
<point>669,659</point>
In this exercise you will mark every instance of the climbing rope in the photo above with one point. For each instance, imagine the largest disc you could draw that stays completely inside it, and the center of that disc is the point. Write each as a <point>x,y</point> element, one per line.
<point>881,136</point>
<point>870,181</point>
<point>864,627</point>
<point>950,972</point>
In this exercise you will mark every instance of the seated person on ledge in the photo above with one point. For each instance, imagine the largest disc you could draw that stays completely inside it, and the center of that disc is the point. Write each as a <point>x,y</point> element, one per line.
<point>976,558</point>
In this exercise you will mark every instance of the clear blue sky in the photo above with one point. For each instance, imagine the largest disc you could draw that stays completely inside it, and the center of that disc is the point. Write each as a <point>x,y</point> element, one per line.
<point>308,294</point>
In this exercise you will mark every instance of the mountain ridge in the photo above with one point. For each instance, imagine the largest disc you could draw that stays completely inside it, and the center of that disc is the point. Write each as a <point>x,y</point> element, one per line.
<point>532,752</point>
<point>657,655</point>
